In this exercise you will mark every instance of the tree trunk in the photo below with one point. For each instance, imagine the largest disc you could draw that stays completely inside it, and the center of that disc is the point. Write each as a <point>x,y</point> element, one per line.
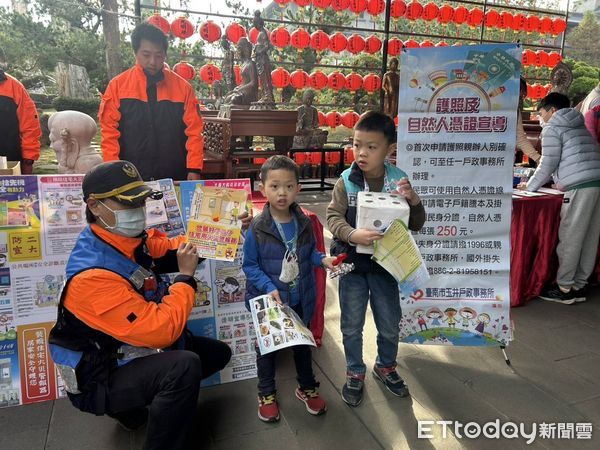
<point>72,81</point>
<point>112,37</point>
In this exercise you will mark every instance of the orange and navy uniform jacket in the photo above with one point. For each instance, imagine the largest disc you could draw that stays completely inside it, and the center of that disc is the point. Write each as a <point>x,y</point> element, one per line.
<point>20,129</point>
<point>107,302</point>
<point>153,122</point>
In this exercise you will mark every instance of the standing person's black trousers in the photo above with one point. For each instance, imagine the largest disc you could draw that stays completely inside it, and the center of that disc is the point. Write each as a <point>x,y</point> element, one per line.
<point>164,388</point>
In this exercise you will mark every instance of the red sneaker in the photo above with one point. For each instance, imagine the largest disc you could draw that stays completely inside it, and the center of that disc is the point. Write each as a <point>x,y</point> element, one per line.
<point>314,403</point>
<point>268,410</point>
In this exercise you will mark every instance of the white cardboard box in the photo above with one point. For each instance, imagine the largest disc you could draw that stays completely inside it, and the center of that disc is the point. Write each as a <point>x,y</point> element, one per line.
<point>376,210</point>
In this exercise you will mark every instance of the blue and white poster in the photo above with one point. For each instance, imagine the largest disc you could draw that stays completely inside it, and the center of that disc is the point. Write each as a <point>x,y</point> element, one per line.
<point>456,141</point>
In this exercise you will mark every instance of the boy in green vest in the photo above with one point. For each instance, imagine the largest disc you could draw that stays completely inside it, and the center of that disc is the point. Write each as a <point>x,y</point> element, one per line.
<point>374,140</point>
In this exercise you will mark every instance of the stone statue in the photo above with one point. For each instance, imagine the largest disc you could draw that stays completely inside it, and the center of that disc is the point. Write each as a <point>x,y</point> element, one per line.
<point>308,133</point>
<point>561,77</point>
<point>247,92</point>
<point>263,63</point>
<point>227,65</point>
<point>71,134</point>
<point>391,86</point>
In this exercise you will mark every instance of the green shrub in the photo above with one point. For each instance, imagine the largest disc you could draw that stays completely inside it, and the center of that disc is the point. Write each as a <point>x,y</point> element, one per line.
<point>87,106</point>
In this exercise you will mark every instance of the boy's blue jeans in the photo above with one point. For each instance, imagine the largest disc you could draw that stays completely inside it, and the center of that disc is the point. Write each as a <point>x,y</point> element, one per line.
<point>355,291</point>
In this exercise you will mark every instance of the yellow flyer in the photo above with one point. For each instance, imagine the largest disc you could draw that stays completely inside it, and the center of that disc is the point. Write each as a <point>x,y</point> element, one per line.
<point>214,227</point>
<point>398,253</point>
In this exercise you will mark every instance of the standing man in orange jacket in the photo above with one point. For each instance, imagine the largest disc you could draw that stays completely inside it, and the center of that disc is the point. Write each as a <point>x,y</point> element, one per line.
<point>149,115</point>
<point>20,129</point>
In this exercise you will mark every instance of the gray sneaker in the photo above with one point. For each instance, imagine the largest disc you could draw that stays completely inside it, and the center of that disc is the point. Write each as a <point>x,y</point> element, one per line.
<point>352,392</point>
<point>391,380</point>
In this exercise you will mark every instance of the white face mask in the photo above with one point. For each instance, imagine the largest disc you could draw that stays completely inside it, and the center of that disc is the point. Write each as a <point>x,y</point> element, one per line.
<point>542,121</point>
<point>128,222</point>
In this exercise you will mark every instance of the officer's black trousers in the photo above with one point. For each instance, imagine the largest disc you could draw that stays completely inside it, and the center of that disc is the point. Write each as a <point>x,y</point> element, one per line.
<point>165,387</point>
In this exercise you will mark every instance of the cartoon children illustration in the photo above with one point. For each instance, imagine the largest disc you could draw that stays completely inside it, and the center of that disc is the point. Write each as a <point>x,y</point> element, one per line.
<point>230,287</point>
<point>419,315</point>
<point>233,214</point>
<point>450,314</point>
<point>482,320</point>
<point>435,314</point>
<point>467,314</point>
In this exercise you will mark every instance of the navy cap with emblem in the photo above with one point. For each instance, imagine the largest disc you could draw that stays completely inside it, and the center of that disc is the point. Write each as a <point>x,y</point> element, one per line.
<point>119,181</point>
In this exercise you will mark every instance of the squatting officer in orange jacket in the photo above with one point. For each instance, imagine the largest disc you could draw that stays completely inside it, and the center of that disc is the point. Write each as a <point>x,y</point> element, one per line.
<point>149,115</point>
<point>120,341</point>
<point>20,129</point>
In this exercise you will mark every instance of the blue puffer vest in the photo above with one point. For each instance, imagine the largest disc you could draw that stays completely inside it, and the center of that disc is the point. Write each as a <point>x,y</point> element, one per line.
<point>271,250</point>
<point>354,182</point>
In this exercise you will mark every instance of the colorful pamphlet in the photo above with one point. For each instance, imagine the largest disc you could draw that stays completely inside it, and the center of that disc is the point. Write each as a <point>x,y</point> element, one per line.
<point>277,326</point>
<point>213,226</point>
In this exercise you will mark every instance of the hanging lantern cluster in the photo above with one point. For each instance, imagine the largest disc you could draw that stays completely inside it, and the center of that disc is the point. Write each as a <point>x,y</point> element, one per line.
<point>540,58</point>
<point>537,91</point>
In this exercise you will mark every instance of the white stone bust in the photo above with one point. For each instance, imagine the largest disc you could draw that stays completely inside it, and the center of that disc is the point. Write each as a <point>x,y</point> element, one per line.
<point>71,134</point>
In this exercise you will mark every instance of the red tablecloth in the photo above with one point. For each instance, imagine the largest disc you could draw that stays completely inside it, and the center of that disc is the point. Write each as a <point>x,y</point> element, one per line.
<point>317,323</point>
<point>533,239</point>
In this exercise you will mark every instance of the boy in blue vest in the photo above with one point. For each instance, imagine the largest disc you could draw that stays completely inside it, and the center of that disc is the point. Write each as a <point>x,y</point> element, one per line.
<point>281,233</point>
<point>374,141</point>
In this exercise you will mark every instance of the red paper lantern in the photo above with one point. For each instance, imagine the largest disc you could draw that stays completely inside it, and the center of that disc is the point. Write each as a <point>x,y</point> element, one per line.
<point>353,82</point>
<point>397,9</point>
<point>553,59</point>
<point>394,47</point>
<point>237,72</point>
<point>318,80</point>
<point>280,37</point>
<point>411,43</point>
<point>280,78</point>
<point>159,22</point>
<point>505,21</point>
<point>185,70</point>
<point>302,3</point>
<point>282,3</point>
<point>546,25</point>
<point>414,10</point>
<point>349,119</point>
<point>182,28</point>
<point>461,15</point>
<point>336,81</point>
<point>537,91</point>
<point>373,44</point>
<point>532,24</point>
<point>442,44</point>
<point>375,7</point>
<point>210,31</point>
<point>322,120</point>
<point>430,11</point>
<point>339,5</point>
<point>371,83</point>
<point>529,91</point>
<point>528,58</point>
<point>348,155</point>
<point>518,22</point>
<point>299,79</point>
<point>547,87</point>
<point>445,14</point>
<point>541,58</point>
<point>427,44</point>
<point>300,39</point>
<point>559,25</point>
<point>475,17</point>
<point>319,41</point>
<point>492,17</point>
<point>356,44</point>
<point>235,32</point>
<point>357,6</point>
<point>333,119</point>
<point>209,73</point>
<point>321,4</point>
<point>338,42</point>
<point>253,34</point>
